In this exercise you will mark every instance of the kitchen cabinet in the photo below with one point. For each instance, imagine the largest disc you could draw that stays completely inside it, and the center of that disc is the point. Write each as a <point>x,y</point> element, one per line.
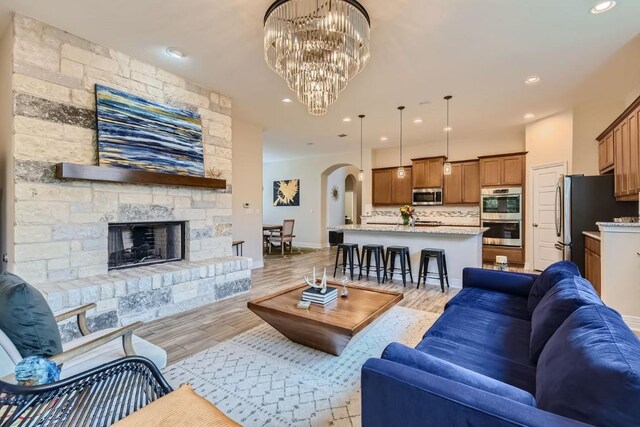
<point>502,171</point>
<point>605,153</point>
<point>388,189</point>
<point>381,186</point>
<point>592,261</point>
<point>428,172</point>
<point>463,185</point>
<point>619,150</point>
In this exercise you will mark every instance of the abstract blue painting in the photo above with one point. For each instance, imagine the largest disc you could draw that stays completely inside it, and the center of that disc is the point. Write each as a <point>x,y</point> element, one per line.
<point>135,133</point>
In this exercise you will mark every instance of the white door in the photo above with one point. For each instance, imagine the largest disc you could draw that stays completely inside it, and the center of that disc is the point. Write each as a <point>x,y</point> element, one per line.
<point>545,179</point>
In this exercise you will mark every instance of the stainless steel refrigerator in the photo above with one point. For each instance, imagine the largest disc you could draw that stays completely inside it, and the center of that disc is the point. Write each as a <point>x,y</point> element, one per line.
<point>581,201</point>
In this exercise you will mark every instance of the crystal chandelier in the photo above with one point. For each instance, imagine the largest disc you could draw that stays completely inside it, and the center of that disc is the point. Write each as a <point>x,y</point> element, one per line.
<point>317,47</point>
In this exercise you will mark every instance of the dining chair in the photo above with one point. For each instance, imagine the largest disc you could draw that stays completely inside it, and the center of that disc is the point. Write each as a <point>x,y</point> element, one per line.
<point>283,238</point>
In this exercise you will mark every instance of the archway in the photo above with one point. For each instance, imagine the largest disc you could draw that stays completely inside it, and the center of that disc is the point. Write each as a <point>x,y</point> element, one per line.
<point>334,183</point>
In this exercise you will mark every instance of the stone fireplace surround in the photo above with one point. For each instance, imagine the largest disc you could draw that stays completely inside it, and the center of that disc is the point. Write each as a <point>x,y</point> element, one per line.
<point>58,236</point>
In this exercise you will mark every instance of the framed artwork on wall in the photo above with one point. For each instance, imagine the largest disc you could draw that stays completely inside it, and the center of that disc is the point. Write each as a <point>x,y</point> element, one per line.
<point>286,192</point>
<point>135,133</point>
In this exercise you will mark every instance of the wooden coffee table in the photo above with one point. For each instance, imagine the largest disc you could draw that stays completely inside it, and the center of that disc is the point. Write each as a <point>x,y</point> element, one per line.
<point>326,328</point>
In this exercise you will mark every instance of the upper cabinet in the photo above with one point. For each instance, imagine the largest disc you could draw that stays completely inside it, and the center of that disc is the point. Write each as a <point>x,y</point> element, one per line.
<point>502,171</point>
<point>388,189</point>
<point>463,185</point>
<point>427,172</point>
<point>619,150</point>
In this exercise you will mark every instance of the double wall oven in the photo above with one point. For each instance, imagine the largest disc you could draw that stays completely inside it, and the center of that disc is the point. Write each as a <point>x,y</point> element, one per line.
<point>501,212</point>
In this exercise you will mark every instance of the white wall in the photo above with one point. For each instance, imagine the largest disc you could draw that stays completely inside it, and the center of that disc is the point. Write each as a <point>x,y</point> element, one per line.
<point>549,140</point>
<point>632,96</point>
<point>6,150</point>
<point>247,188</point>
<point>589,120</point>
<point>309,229</point>
<point>508,141</point>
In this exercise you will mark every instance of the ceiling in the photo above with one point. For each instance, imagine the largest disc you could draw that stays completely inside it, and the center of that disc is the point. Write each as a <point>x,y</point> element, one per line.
<point>478,51</point>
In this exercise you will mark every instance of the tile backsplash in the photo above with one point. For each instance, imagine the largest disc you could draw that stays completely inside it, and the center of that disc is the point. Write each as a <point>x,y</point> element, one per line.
<point>448,215</point>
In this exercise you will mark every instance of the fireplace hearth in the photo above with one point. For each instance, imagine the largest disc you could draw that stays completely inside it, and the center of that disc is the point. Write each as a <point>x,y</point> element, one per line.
<point>138,244</point>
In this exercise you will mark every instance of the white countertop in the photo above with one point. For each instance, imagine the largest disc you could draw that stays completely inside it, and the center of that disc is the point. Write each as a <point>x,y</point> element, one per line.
<point>618,224</point>
<point>440,229</point>
<point>592,234</point>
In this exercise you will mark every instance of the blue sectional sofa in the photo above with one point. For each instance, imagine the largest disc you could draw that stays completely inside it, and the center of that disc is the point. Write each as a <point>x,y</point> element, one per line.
<point>512,349</point>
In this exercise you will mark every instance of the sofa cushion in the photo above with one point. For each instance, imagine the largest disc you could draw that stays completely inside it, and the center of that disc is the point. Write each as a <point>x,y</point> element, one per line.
<point>416,359</point>
<point>548,279</point>
<point>491,344</point>
<point>554,308</point>
<point>27,319</point>
<point>496,302</point>
<point>590,369</point>
<point>494,333</point>
<point>520,375</point>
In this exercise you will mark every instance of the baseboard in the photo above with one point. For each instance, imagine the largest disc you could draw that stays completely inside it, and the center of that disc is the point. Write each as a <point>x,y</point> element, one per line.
<point>633,322</point>
<point>297,244</point>
<point>257,264</point>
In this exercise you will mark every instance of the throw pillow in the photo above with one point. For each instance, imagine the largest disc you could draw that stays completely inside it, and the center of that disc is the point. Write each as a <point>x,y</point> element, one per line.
<point>27,319</point>
<point>558,304</point>
<point>548,279</point>
<point>590,369</point>
<point>425,362</point>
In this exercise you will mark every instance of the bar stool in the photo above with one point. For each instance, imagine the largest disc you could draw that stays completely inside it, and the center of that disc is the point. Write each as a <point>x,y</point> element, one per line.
<point>378,256</point>
<point>405,261</point>
<point>441,259</point>
<point>350,252</point>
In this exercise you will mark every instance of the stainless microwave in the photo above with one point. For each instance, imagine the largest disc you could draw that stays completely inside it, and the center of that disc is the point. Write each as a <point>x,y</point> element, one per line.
<point>427,196</point>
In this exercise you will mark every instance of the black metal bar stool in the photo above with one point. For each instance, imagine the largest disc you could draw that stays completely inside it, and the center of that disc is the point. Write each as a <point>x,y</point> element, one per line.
<point>441,259</point>
<point>405,261</point>
<point>350,252</point>
<point>377,251</point>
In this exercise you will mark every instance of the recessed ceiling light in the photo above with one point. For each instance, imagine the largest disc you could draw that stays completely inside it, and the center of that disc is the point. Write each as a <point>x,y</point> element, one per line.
<point>602,7</point>
<point>424,102</point>
<point>531,80</point>
<point>448,129</point>
<point>287,100</point>
<point>309,143</point>
<point>175,52</point>
<point>346,119</point>
<point>529,116</point>
<point>384,139</point>
<point>417,121</point>
<point>342,135</point>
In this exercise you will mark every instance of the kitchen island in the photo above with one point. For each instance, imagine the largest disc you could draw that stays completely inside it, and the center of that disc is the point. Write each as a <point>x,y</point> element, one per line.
<point>462,245</point>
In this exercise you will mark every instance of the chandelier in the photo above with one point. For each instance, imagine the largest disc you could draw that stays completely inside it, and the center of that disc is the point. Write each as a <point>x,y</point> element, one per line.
<point>317,47</point>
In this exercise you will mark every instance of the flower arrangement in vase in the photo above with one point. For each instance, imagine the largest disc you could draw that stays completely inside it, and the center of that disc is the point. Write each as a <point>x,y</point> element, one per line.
<point>406,212</point>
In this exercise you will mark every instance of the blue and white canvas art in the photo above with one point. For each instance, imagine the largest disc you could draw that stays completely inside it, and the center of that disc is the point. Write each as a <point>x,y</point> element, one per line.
<point>135,133</point>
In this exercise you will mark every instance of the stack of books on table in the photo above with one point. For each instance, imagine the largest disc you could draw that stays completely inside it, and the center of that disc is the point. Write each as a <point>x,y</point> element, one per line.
<point>314,295</point>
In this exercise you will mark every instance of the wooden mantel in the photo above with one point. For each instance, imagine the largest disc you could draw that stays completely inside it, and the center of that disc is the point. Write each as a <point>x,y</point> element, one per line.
<point>129,176</point>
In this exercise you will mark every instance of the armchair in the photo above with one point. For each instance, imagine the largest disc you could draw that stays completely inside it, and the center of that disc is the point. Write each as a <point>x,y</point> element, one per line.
<point>98,397</point>
<point>90,350</point>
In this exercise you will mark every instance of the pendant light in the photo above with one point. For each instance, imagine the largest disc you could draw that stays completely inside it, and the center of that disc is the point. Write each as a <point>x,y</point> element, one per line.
<point>361,173</point>
<point>447,165</point>
<point>401,172</point>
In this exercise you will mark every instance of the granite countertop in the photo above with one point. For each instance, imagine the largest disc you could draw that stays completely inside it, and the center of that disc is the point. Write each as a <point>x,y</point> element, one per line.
<point>618,224</point>
<point>592,234</point>
<point>439,229</point>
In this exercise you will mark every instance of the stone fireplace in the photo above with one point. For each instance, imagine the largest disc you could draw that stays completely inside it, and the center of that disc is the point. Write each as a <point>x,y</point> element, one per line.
<point>57,232</point>
<point>145,243</point>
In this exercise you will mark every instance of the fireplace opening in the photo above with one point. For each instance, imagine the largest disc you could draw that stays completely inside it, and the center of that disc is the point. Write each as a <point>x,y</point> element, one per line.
<point>138,244</point>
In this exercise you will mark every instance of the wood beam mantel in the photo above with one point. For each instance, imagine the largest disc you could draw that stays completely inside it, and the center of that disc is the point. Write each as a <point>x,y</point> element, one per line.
<point>128,176</point>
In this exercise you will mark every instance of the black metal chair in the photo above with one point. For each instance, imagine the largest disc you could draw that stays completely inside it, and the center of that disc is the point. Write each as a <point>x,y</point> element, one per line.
<point>377,251</point>
<point>405,262</point>
<point>350,254</point>
<point>441,260</point>
<point>98,397</point>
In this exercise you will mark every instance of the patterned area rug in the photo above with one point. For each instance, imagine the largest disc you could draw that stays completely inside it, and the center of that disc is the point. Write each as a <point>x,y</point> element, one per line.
<point>260,378</point>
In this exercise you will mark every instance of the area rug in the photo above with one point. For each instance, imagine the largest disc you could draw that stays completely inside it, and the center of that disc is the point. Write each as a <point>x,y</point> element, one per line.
<point>260,378</point>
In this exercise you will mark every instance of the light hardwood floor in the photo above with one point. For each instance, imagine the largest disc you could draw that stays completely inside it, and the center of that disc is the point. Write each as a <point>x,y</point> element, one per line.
<point>190,332</point>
